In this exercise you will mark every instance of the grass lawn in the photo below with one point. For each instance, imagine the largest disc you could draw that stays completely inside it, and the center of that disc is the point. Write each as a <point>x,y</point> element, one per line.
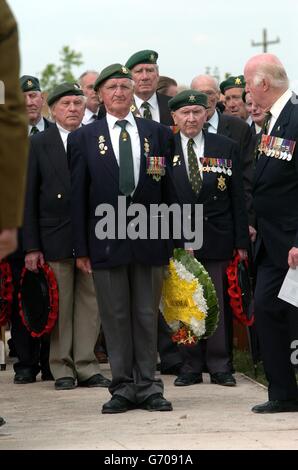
<point>243,363</point>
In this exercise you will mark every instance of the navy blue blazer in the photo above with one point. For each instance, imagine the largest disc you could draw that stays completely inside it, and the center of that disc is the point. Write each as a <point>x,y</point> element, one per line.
<point>95,180</point>
<point>47,226</point>
<point>225,224</point>
<point>276,193</point>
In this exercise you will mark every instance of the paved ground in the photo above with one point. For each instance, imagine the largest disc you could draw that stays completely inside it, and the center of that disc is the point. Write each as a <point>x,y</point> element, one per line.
<point>205,416</point>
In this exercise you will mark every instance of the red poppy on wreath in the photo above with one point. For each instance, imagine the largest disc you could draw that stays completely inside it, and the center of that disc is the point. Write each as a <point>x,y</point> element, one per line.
<point>240,290</point>
<point>39,300</point>
<point>6,292</point>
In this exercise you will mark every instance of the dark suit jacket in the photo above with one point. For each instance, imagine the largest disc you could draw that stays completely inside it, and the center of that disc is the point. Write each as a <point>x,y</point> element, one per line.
<point>276,193</point>
<point>47,123</point>
<point>164,110</point>
<point>225,224</point>
<point>95,180</point>
<point>47,224</point>
<point>238,130</point>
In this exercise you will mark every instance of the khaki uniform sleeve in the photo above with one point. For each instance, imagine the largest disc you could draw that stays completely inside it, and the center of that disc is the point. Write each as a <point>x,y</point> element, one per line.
<point>13,125</point>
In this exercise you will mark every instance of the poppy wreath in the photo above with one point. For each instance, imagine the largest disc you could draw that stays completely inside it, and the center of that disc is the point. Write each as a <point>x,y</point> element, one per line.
<point>53,301</point>
<point>235,292</point>
<point>189,302</point>
<point>6,292</point>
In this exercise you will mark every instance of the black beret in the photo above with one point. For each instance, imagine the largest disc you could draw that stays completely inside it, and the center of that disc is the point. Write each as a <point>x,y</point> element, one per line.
<point>29,83</point>
<point>112,71</point>
<point>65,89</point>
<point>142,57</point>
<point>188,98</point>
<point>232,82</point>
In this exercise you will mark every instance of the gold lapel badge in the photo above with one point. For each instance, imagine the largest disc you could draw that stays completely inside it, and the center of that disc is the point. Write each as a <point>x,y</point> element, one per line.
<point>221,183</point>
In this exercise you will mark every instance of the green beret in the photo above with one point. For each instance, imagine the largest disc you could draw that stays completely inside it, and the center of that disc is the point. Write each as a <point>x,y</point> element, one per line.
<point>142,57</point>
<point>188,98</point>
<point>112,71</point>
<point>232,82</point>
<point>65,89</point>
<point>29,83</point>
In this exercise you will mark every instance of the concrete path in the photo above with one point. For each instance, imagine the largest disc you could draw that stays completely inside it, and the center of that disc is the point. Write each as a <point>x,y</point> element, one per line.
<point>205,416</point>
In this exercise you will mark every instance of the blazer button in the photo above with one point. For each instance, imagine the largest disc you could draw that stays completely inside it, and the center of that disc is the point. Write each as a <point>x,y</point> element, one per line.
<point>215,198</point>
<point>59,196</point>
<point>206,218</point>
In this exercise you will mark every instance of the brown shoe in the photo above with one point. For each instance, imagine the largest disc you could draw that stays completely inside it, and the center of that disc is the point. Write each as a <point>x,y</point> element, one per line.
<point>101,357</point>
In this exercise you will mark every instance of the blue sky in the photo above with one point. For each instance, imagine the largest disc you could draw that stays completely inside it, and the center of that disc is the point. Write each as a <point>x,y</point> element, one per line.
<point>188,35</point>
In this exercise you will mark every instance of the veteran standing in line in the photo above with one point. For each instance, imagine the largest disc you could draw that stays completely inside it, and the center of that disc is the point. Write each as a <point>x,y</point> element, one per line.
<point>153,105</point>
<point>206,171</point>
<point>47,236</point>
<point>13,136</point>
<point>112,158</point>
<point>276,248</point>
<point>34,100</point>
<point>148,102</point>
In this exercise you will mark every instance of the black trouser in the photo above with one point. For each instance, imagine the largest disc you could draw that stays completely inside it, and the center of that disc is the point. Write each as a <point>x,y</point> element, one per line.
<point>275,322</point>
<point>32,353</point>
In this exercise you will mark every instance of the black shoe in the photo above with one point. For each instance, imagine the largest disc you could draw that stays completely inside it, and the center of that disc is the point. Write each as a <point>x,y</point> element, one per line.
<point>96,380</point>
<point>156,402</point>
<point>24,379</point>
<point>223,378</point>
<point>276,406</point>
<point>2,421</point>
<point>46,376</point>
<point>188,379</point>
<point>65,383</point>
<point>117,404</point>
<point>173,370</point>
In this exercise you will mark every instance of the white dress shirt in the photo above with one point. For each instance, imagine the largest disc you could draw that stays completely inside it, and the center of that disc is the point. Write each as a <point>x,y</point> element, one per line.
<point>132,130</point>
<point>40,126</point>
<point>63,134</point>
<point>277,108</point>
<point>153,103</point>
<point>88,116</point>
<point>199,146</point>
<point>213,121</point>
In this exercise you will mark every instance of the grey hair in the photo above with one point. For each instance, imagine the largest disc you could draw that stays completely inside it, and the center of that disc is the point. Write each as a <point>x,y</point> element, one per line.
<point>275,73</point>
<point>86,73</point>
<point>211,77</point>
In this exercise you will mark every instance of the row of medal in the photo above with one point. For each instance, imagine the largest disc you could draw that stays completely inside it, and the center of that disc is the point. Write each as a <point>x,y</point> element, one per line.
<point>156,165</point>
<point>277,147</point>
<point>217,165</point>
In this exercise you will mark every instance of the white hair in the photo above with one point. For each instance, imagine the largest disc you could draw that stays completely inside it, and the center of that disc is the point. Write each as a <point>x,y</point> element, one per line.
<point>275,73</point>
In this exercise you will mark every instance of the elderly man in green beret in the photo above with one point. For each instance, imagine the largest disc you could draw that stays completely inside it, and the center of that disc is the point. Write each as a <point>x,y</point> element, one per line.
<point>34,102</point>
<point>233,88</point>
<point>32,353</point>
<point>151,104</point>
<point>112,163</point>
<point>206,171</point>
<point>147,102</point>
<point>48,238</point>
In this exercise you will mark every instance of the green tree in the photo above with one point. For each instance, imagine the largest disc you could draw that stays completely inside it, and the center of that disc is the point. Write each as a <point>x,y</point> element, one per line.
<point>53,74</point>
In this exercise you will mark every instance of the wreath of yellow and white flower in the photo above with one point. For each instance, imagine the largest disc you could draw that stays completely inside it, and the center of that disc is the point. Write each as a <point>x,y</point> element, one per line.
<point>189,302</point>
